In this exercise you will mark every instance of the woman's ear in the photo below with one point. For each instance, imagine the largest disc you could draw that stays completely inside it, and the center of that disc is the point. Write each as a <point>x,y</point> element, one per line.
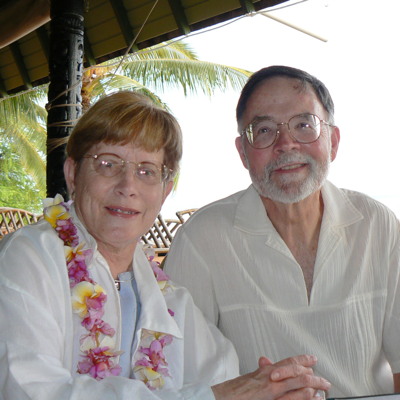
<point>69,174</point>
<point>167,189</point>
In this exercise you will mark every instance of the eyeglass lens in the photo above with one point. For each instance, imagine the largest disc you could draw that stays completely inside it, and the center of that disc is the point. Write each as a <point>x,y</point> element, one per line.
<point>304,128</point>
<point>110,165</point>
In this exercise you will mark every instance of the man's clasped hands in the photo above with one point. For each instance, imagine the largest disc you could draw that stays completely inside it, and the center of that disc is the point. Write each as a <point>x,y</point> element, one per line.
<point>290,379</point>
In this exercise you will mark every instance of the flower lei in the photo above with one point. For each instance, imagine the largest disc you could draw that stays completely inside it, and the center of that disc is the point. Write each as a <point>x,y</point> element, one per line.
<point>88,299</point>
<point>151,368</point>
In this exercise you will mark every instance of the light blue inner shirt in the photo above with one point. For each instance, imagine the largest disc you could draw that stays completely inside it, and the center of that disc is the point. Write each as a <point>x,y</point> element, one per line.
<point>130,311</point>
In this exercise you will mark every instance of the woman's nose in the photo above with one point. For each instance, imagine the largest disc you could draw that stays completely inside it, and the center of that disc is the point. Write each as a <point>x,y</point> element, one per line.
<point>128,182</point>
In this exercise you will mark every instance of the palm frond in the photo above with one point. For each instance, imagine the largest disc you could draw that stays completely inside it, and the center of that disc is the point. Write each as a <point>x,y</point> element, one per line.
<point>165,50</point>
<point>26,104</point>
<point>109,84</point>
<point>190,75</point>
<point>20,144</point>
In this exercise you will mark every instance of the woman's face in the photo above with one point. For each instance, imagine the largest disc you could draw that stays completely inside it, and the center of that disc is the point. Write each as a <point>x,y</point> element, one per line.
<point>116,210</point>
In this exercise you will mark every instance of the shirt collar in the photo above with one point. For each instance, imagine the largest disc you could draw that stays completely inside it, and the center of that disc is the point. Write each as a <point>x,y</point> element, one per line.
<point>251,215</point>
<point>338,207</point>
<point>154,312</point>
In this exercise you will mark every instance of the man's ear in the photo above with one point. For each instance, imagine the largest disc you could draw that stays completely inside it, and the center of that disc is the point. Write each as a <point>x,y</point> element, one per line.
<point>335,139</point>
<point>69,174</point>
<point>240,149</point>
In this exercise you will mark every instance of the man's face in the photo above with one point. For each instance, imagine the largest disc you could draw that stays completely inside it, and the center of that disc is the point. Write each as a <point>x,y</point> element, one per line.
<point>287,171</point>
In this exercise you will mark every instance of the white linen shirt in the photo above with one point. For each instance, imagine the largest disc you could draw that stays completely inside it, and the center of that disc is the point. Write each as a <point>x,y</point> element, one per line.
<point>39,334</point>
<point>244,278</point>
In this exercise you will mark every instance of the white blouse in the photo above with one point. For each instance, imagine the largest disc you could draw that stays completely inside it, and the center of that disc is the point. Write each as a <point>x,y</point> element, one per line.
<point>39,334</point>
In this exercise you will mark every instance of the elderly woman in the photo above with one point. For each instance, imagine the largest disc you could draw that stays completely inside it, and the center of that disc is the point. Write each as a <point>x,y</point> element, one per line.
<point>85,314</point>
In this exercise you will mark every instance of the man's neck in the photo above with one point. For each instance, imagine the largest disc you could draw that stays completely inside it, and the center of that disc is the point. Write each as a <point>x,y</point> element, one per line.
<point>291,220</point>
<point>299,226</point>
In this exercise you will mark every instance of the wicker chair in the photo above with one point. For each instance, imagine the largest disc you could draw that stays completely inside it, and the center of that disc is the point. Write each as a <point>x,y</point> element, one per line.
<point>13,218</point>
<point>159,236</point>
<point>185,214</point>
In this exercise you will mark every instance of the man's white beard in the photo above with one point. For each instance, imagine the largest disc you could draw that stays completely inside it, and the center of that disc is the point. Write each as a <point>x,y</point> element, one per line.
<point>290,188</point>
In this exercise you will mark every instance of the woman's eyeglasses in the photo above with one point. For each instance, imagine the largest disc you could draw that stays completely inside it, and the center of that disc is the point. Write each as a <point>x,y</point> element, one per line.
<point>110,165</point>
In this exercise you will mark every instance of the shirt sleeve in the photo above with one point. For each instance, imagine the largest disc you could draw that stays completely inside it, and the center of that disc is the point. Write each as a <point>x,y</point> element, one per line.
<point>207,356</point>
<point>35,323</point>
<point>391,329</point>
<point>186,264</point>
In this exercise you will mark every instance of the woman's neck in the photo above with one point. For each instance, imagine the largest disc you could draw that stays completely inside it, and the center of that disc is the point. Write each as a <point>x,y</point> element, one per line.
<point>119,259</point>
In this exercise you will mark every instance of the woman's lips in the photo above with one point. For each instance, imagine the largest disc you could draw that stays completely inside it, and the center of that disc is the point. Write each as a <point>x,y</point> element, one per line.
<point>122,211</point>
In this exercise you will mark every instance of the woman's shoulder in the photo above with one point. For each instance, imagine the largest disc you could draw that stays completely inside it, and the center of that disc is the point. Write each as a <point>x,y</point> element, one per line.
<point>39,234</point>
<point>30,250</point>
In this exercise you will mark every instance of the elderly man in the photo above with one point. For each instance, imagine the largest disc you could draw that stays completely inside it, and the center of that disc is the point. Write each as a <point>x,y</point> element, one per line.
<point>293,264</point>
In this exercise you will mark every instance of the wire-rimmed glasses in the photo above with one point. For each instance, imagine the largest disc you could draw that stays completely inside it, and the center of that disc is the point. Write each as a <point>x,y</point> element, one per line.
<point>263,132</point>
<point>110,165</point>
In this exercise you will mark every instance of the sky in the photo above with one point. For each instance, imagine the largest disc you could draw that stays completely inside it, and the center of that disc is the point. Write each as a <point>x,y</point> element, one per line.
<point>357,60</point>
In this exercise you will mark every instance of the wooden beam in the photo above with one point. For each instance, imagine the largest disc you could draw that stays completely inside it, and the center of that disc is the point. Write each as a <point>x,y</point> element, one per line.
<point>3,92</point>
<point>179,16</point>
<point>89,55</point>
<point>44,41</point>
<point>19,60</point>
<point>247,6</point>
<point>20,17</point>
<point>124,24</point>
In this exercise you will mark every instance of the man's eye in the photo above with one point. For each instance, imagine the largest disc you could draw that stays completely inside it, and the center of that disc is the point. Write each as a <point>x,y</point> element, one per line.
<point>305,126</point>
<point>263,130</point>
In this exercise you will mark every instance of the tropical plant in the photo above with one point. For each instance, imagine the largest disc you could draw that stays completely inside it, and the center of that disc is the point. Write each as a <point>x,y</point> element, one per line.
<point>22,149</point>
<point>157,68</point>
<point>150,71</point>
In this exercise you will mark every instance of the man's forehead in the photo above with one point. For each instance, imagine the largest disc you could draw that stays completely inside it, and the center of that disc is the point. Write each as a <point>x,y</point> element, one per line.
<point>276,98</point>
<point>267,99</point>
<point>293,83</point>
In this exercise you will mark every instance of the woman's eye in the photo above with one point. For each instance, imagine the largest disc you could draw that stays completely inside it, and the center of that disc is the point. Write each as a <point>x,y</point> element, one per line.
<point>146,172</point>
<point>107,164</point>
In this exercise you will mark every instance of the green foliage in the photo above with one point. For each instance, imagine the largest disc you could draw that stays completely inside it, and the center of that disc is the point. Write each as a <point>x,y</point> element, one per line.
<point>150,71</point>
<point>172,65</point>
<point>22,148</point>
<point>17,188</point>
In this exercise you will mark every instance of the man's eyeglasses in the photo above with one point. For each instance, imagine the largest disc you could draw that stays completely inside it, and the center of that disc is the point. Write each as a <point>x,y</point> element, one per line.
<point>263,131</point>
<point>110,165</point>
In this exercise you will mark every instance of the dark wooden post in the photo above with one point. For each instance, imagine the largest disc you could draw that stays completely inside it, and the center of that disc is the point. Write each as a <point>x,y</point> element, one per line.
<point>64,95</point>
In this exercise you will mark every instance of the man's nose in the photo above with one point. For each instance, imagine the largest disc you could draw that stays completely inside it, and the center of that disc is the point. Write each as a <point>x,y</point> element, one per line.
<point>285,141</point>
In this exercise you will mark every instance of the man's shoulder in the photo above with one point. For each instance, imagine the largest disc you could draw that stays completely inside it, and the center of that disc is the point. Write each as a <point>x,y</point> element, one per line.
<point>219,209</point>
<point>365,204</point>
<point>367,200</point>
